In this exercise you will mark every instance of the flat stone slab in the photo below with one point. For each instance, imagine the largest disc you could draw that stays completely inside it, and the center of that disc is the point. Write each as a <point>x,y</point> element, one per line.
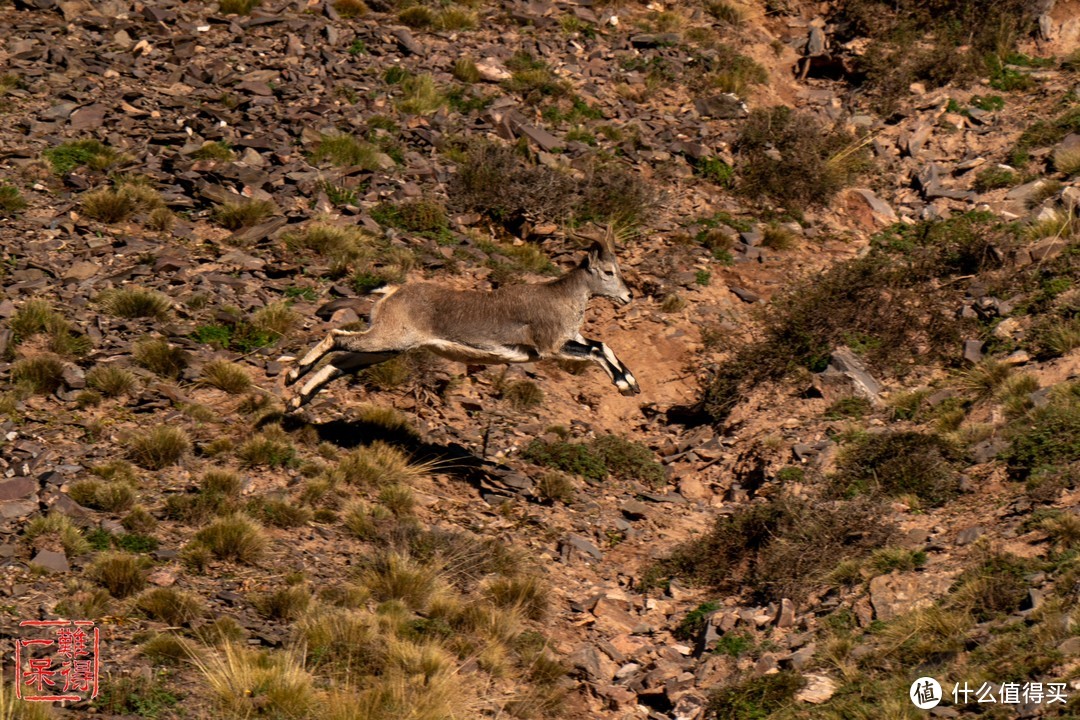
<point>52,561</point>
<point>17,488</point>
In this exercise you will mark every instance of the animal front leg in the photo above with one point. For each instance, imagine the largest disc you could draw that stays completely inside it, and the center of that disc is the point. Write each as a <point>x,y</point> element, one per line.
<point>624,379</point>
<point>597,352</point>
<point>317,353</point>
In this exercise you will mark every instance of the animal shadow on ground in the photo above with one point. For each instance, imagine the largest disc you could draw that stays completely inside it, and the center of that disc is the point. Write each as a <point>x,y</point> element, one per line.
<point>452,459</point>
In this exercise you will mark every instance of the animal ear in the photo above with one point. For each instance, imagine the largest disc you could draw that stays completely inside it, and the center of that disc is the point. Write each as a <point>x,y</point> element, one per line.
<point>595,253</point>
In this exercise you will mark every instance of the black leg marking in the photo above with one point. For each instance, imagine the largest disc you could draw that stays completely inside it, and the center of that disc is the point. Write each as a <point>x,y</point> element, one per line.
<point>584,349</point>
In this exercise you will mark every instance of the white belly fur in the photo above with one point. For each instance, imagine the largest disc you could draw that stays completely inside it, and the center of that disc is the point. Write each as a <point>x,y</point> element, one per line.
<point>480,356</point>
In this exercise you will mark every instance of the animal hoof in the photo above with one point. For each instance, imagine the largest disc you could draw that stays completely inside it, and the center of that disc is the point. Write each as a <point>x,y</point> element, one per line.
<point>294,403</point>
<point>292,376</point>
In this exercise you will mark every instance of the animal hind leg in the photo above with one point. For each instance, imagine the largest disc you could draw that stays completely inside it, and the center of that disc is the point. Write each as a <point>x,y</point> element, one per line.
<point>345,363</point>
<point>317,353</point>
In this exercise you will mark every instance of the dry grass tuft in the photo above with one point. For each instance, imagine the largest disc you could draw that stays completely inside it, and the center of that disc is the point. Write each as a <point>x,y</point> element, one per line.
<point>38,316</point>
<point>277,318</point>
<point>238,7</point>
<point>392,576</point>
<point>158,448</point>
<point>113,205</point>
<point>243,214</point>
<point>422,95</point>
<point>285,604</point>
<point>270,448</point>
<point>465,70</point>
<point>234,537</point>
<point>59,526</point>
<point>42,375</point>
<point>118,572</point>
<point>1067,159</point>
<point>111,380</point>
<point>113,497</point>
<point>168,649</point>
<point>135,303</point>
<point>379,465</point>
<point>351,8</point>
<point>343,149</point>
<point>214,151</point>
<point>11,201</point>
<point>247,683</point>
<point>985,378</point>
<point>528,594</point>
<point>161,358</point>
<point>523,395</point>
<point>170,606</point>
<point>226,376</point>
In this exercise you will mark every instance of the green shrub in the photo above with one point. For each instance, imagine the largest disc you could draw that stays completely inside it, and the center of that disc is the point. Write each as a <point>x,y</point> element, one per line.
<point>779,548</point>
<point>1044,133</point>
<point>77,153</point>
<point>715,170</point>
<point>691,626</point>
<point>1048,439</point>
<point>569,457</point>
<point>898,463</point>
<point>934,43</point>
<point>995,584</point>
<point>994,177</point>
<point>793,160</point>
<point>628,460</point>
<point>342,149</point>
<point>885,305</point>
<point>11,201</point>
<point>757,698</point>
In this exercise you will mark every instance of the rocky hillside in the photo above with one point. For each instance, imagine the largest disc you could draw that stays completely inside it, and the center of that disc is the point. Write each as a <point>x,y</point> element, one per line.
<point>850,228</point>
